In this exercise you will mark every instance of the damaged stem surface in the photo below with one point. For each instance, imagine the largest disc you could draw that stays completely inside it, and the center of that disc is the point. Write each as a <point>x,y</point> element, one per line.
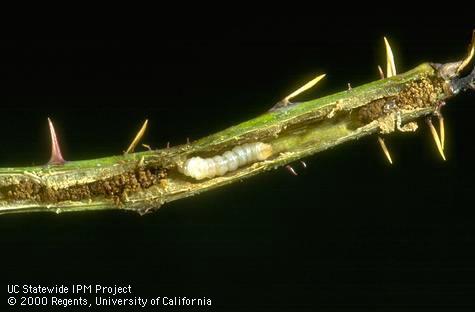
<point>144,181</point>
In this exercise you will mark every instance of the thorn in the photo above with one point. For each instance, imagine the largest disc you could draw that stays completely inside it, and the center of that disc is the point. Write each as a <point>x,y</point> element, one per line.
<point>385,149</point>
<point>381,73</point>
<point>137,138</point>
<point>436,138</point>
<point>168,144</point>
<point>441,129</point>
<point>147,147</point>
<point>291,170</point>
<point>469,56</point>
<point>141,162</point>
<point>390,65</point>
<point>349,86</point>
<point>303,164</point>
<point>187,140</point>
<point>56,156</point>
<point>303,88</point>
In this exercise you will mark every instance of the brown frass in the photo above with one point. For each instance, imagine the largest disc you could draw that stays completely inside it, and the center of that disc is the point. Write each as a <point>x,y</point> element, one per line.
<point>116,188</point>
<point>421,93</point>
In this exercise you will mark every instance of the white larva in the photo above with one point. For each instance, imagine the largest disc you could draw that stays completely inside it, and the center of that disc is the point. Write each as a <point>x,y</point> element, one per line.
<point>201,168</point>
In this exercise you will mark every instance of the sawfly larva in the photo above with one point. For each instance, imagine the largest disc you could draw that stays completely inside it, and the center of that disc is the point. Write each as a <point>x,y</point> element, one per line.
<point>201,168</point>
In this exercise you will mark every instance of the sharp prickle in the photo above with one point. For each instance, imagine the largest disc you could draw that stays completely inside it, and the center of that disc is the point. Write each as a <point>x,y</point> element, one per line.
<point>385,149</point>
<point>291,170</point>
<point>436,138</point>
<point>137,138</point>
<point>56,156</point>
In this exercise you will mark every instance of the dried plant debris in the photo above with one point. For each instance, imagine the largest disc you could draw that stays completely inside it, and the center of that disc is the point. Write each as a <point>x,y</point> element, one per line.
<point>418,94</point>
<point>116,188</point>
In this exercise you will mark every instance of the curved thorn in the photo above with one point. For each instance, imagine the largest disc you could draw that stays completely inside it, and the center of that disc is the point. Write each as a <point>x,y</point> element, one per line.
<point>385,149</point>
<point>390,65</point>
<point>137,138</point>
<point>436,138</point>
<point>291,170</point>
<point>303,88</point>
<point>304,164</point>
<point>469,56</point>
<point>56,156</point>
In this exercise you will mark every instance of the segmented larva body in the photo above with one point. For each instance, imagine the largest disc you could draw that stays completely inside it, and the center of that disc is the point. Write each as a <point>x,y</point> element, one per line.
<point>201,168</point>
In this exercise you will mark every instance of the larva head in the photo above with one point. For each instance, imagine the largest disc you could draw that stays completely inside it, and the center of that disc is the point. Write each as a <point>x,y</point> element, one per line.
<point>452,72</point>
<point>195,167</point>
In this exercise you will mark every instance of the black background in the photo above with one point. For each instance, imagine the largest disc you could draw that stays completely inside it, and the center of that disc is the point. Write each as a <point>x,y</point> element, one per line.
<point>350,232</point>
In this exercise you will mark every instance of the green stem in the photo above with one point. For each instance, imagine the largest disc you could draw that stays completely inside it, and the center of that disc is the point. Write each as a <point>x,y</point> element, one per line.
<point>145,180</point>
